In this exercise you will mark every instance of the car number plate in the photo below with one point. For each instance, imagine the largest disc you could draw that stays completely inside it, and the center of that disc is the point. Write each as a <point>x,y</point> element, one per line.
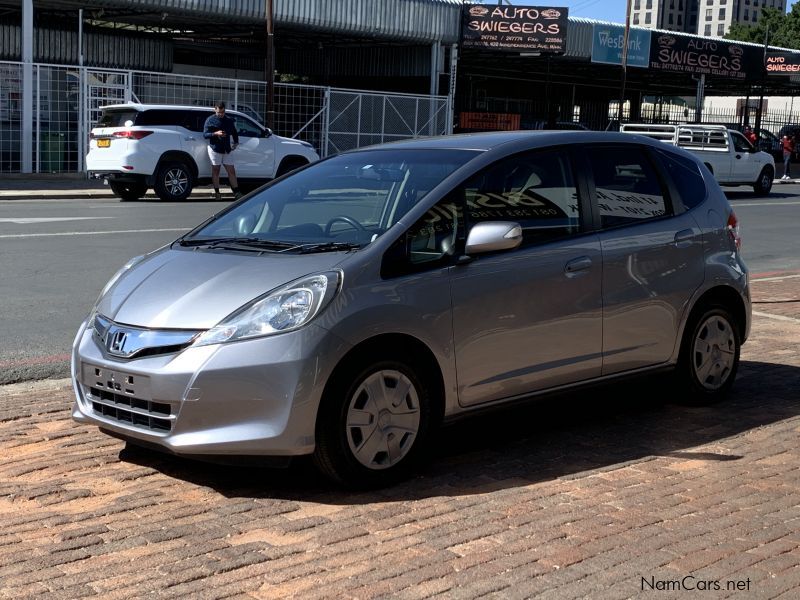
<point>105,143</point>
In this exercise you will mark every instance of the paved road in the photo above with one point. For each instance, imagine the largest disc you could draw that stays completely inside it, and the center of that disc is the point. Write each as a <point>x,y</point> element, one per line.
<point>58,254</point>
<point>613,494</point>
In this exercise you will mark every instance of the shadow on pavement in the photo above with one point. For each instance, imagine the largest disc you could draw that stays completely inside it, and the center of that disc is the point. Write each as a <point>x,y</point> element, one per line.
<point>554,438</point>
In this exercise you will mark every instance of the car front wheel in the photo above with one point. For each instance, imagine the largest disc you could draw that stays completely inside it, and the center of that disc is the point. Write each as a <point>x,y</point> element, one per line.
<point>173,181</point>
<point>764,183</point>
<point>709,356</point>
<point>373,423</point>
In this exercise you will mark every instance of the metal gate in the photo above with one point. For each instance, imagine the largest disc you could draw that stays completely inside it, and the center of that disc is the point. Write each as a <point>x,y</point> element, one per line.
<point>67,101</point>
<point>355,119</point>
<point>99,88</point>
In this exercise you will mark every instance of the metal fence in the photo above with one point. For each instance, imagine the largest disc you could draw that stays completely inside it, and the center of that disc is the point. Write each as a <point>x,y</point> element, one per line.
<point>67,103</point>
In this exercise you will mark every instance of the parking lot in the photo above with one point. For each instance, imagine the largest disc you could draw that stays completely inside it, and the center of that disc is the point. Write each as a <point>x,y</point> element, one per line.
<point>617,492</point>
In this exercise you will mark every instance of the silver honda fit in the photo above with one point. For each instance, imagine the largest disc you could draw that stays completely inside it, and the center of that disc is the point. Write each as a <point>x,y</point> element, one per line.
<point>348,309</point>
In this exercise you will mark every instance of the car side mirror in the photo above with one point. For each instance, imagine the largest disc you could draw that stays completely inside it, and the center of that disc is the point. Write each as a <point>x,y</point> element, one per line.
<point>492,236</point>
<point>267,132</point>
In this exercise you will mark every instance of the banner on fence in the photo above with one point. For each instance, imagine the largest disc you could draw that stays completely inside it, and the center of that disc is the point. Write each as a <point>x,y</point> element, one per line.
<point>489,121</point>
<point>515,28</point>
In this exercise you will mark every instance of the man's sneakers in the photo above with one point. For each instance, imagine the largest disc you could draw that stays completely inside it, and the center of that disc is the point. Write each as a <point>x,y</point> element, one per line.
<point>785,178</point>
<point>237,195</point>
<point>217,196</point>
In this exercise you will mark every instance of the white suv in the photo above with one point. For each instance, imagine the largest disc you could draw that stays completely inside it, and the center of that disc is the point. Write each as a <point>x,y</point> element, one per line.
<point>138,146</point>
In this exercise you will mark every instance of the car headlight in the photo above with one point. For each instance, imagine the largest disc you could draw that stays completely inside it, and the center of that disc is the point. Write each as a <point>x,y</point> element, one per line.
<point>285,309</point>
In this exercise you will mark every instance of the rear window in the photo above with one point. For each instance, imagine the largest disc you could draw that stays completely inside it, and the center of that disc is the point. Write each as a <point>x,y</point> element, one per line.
<point>686,176</point>
<point>118,117</point>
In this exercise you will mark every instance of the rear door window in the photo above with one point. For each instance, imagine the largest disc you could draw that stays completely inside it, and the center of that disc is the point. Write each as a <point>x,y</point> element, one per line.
<point>627,187</point>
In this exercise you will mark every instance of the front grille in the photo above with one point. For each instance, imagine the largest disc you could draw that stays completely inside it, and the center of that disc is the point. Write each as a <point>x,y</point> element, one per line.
<point>145,414</point>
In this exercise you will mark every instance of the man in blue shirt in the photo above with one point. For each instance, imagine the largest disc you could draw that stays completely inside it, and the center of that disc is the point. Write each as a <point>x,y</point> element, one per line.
<point>218,130</point>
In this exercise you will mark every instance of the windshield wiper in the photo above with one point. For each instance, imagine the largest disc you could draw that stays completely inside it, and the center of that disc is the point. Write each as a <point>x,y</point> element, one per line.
<point>328,247</point>
<point>229,242</point>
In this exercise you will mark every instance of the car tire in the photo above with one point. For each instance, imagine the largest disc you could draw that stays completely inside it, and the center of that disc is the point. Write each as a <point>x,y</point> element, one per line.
<point>374,423</point>
<point>763,184</point>
<point>709,356</point>
<point>128,190</point>
<point>173,181</point>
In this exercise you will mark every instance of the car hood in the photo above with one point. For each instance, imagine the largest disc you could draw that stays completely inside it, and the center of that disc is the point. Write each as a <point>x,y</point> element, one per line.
<point>196,289</point>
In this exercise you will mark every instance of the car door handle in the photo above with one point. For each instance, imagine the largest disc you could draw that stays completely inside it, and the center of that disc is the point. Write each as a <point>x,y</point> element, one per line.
<point>684,238</point>
<point>577,266</point>
<point>738,156</point>
<point>189,139</point>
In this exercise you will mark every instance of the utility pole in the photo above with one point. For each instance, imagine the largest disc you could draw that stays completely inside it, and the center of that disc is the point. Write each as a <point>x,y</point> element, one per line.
<point>624,60</point>
<point>269,68</point>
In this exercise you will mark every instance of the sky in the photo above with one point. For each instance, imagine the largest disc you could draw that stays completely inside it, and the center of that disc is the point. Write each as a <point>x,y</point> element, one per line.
<point>604,10</point>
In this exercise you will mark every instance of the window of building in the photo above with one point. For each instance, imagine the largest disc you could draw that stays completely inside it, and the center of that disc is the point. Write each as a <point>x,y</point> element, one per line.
<point>680,4</point>
<point>746,14</point>
<point>635,19</point>
<point>755,15</point>
<point>669,19</point>
<point>680,20</point>
<point>709,15</point>
<point>707,30</point>
<point>637,5</point>
<point>647,18</point>
<point>649,4</point>
<point>722,13</point>
<point>721,29</point>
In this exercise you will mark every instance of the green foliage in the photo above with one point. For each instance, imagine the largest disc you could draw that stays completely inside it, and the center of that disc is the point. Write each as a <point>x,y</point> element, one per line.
<point>784,29</point>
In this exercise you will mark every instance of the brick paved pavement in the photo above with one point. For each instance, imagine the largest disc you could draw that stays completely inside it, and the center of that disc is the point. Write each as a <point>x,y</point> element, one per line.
<point>597,497</point>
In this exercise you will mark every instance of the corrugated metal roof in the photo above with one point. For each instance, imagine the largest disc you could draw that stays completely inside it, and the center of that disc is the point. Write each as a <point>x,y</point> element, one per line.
<point>412,20</point>
<point>117,50</point>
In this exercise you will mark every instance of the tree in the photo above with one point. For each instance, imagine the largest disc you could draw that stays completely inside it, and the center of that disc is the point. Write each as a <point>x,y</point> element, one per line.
<point>784,29</point>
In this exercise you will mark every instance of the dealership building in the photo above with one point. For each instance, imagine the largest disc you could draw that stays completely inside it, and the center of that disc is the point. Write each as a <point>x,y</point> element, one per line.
<point>349,73</point>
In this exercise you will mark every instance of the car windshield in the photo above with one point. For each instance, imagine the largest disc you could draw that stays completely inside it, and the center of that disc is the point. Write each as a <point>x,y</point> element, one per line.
<point>342,203</point>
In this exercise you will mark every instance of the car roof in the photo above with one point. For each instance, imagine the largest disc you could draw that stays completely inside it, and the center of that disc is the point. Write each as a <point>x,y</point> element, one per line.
<point>532,138</point>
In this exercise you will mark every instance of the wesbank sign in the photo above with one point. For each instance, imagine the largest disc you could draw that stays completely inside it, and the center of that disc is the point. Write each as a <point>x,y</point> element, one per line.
<point>609,40</point>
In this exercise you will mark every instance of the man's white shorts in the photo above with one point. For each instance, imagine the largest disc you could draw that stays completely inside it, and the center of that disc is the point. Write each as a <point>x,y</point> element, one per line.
<point>219,158</point>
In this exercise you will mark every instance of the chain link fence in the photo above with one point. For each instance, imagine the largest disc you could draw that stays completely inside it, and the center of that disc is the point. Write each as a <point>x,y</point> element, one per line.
<point>67,103</point>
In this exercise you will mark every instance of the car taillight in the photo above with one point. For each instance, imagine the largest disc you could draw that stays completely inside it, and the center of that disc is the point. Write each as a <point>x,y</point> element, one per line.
<point>733,230</point>
<point>131,135</point>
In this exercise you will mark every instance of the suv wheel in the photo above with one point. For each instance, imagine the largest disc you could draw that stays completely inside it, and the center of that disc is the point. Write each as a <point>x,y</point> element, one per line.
<point>709,355</point>
<point>373,423</point>
<point>173,181</point>
<point>290,164</point>
<point>764,183</point>
<point>128,190</point>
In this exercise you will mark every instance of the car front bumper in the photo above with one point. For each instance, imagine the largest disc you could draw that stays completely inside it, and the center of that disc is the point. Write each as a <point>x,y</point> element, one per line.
<point>256,397</point>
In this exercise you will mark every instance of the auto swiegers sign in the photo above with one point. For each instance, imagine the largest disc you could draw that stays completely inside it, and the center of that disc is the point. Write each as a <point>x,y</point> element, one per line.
<point>515,28</point>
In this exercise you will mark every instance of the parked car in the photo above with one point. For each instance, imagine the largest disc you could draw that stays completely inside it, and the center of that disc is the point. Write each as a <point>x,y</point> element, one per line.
<point>348,309</point>
<point>138,146</point>
<point>730,157</point>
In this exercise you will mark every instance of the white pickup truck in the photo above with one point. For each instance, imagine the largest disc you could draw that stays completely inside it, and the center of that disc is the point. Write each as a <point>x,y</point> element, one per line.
<point>727,153</point>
